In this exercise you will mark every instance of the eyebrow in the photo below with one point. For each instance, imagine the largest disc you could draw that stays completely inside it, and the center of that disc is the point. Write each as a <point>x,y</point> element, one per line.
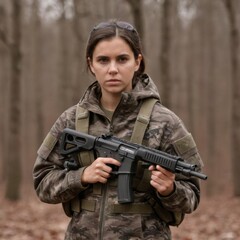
<point>120,55</point>
<point>102,56</point>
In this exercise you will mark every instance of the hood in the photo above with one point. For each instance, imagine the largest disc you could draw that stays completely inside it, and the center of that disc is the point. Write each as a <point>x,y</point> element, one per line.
<point>143,87</point>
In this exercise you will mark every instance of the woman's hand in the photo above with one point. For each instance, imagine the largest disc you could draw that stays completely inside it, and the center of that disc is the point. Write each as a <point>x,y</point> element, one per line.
<point>162,180</point>
<point>99,170</point>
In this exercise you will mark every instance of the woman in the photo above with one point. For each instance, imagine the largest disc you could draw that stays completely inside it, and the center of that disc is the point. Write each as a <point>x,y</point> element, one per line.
<point>112,103</point>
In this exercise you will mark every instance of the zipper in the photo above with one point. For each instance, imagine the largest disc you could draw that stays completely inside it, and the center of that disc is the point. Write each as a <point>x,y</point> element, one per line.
<point>104,196</point>
<point>102,210</point>
<point>105,186</point>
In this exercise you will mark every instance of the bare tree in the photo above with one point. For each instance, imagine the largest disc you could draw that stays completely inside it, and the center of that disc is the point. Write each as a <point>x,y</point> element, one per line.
<point>164,52</point>
<point>3,35</point>
<point>136,8</point>
<point>14,141</point>
<point>65,76</point>
<point>210,93</point>
<point>81,14</point>
<point>232,8</point>
<point>36,67</point>
<point>3,81</point>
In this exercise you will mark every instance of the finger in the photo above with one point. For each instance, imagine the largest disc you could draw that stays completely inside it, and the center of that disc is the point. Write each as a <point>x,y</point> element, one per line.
<point>151,168</point>
<point>106,169</point>
<point>111,161</point>
<point>102,172</point>
<point>158,174</point>
<point>163,187</point>
<point>165,171</point>
<point>159,187</point>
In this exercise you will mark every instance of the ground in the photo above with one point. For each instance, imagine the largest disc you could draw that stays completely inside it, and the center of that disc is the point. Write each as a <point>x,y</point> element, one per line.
<point>216,219</point>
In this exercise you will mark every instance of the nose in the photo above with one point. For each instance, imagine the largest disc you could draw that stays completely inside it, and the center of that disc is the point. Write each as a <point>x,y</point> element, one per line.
<point>113,69</point>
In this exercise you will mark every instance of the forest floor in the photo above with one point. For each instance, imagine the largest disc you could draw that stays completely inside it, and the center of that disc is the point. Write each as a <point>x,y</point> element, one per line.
<point>215,219</point>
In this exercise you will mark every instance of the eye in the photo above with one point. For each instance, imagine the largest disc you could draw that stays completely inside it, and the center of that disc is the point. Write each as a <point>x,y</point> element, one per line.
<point>103,59</point>
<point>122,58</point>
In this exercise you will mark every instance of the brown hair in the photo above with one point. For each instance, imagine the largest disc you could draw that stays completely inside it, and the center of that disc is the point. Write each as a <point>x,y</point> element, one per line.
<point>110,29</point>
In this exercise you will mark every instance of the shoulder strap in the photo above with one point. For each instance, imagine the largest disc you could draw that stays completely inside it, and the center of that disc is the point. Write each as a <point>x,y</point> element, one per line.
<point>143,176</point>
<point>82,125</point>
<point>85,157</point>
<point>82,119</point>
<point>143,119</point>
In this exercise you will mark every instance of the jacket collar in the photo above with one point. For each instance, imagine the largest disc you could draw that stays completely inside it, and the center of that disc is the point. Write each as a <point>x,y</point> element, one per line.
<point>143,87</point>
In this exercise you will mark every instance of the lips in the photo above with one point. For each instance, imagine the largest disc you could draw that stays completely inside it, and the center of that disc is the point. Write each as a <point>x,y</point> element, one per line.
<point>113,81</point>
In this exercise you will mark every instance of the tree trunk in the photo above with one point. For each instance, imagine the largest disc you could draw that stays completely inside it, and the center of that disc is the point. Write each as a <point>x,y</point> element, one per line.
<point>231,6</point>
<point>37,51</point>
<point>14,141</point>
<point>164,54</point>
<point>81,77</point>
<point>3,86</point>
<point>136,9</point>
<point>64,74</point>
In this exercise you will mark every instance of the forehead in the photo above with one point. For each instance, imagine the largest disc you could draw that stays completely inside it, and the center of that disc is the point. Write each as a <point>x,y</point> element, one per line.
<point>115,45</point>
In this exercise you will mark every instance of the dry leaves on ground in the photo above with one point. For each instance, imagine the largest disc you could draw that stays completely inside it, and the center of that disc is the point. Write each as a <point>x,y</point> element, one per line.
<point>31,220</point>
<point>215,219</point>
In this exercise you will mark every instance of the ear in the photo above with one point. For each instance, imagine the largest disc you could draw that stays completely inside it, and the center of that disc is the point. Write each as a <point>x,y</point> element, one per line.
<point>90,65</point>
<point>138,62</point>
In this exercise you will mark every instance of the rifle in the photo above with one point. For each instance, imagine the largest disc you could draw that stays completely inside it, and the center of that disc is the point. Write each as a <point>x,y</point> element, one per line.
<point>127,153</point>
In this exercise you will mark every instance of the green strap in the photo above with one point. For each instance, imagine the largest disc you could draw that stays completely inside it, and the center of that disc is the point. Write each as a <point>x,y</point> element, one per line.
<point>82,125</point>
<point>85,157</point>
<point>139,130</point>
<point>143,119</point>
<point>82,119</point>
<point>140,208</point>
<point>78,204</point>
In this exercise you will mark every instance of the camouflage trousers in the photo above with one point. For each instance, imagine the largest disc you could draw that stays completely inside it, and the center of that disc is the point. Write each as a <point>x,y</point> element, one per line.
<point>86,226</point>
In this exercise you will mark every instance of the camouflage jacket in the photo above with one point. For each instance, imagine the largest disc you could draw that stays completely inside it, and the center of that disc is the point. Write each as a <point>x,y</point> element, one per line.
<point>150,215</point>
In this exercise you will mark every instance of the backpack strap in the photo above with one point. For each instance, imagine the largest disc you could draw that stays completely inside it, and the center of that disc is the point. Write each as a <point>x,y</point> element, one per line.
<point>143,176</point>
<point>85,158</point>
<point>82,125</point>
<point>82,119</point>
<point>142,121</point>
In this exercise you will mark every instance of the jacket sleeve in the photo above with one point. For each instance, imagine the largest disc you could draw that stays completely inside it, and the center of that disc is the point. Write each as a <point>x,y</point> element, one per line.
<point>53,184</point>
<point>186,195</point>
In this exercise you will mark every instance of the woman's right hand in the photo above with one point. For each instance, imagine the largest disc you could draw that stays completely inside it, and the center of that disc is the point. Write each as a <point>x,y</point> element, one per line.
<point>99,170</point>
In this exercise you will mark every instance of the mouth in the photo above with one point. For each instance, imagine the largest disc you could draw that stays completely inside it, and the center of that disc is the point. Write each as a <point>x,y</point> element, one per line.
<point>113,81</point>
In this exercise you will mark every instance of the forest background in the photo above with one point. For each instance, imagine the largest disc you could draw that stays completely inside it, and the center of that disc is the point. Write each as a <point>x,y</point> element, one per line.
<point>192,53</point>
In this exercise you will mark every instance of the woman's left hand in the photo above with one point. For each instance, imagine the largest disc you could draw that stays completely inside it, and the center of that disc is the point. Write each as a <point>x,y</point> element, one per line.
<point>162,180</point>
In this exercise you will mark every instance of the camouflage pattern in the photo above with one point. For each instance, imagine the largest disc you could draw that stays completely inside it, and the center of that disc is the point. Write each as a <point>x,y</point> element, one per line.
<point>165,132</point>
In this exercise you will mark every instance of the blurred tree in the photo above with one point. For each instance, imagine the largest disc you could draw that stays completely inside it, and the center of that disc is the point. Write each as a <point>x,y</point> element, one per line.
<point>136,9</point>
<point>64,66</point>
<point>164,52</point>
<point>3,35</point>
<point>3,82</point>
<point>81,15</point>
<point>13,169</point>
<point>232,7</point>
<point>36,68</point>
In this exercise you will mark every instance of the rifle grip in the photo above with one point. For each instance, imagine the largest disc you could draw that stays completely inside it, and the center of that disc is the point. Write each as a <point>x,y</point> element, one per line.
<point>125,192</point>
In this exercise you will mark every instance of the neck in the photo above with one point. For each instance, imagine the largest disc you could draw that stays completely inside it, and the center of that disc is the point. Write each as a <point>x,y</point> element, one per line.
<point>110,102</point>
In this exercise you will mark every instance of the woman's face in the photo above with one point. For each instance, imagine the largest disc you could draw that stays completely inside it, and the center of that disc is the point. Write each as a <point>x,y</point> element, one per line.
<point>113,64</point>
